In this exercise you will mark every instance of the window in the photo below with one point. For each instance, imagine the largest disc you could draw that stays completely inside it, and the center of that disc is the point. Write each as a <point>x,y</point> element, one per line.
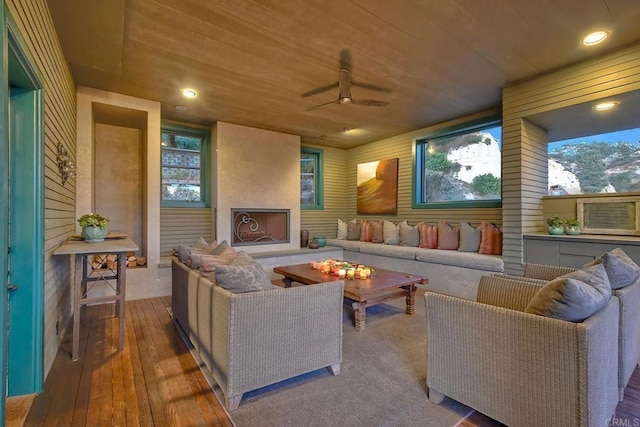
<point>459,167</point>
<point>311,178</point>
<point>603,163</point>
<point>185,171</point>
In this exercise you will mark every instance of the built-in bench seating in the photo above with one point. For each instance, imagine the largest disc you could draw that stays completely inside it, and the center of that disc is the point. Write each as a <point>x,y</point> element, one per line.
<point>450,272</point>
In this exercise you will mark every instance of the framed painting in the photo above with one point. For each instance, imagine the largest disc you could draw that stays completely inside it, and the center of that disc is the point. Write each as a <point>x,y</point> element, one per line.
<point>377,187</point>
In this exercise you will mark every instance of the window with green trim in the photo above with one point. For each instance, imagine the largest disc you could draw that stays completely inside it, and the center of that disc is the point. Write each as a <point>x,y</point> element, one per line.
<point>459,167</point>
<point>185,166</point>
<point>311,178</point>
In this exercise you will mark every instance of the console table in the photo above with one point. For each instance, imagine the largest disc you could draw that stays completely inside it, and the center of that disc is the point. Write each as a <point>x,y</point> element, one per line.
<point>85,273</point>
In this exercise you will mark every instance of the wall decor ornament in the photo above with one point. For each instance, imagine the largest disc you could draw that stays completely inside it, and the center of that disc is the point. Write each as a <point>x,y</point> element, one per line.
<point>66,165</point>
<point>377,187</point>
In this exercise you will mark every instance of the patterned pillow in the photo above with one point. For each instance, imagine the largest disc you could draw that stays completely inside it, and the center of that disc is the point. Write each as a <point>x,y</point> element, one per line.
<point>621,270</point>
<point>491,239</point>
<point>365,231</point>
<point>186,255</point>
<point>377,233</point>
<point>469,238</point>
<point>242,258</point>
<point>448,236</point>
<point>391,233</point>
<point>202,244</point>
<point>220,248</point>
<point>428,235</point>
<point>243,278</point>
<point>409,236</point>
<point>208,263</point>
<point>342,230</point>
<point>574,296</point>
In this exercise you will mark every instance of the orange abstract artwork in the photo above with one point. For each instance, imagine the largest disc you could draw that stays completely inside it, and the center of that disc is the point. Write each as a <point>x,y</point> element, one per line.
<point>378,187</point>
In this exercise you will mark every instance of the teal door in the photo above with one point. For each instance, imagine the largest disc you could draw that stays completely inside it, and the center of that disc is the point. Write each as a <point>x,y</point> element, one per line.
<point>26,243</point>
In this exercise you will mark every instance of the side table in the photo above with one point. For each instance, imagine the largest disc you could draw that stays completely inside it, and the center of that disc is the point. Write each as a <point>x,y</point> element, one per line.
<point>85,274</point>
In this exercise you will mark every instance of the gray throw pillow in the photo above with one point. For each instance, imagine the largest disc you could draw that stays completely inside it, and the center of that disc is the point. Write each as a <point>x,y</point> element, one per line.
<point>391,233</point>
<point>409,236</point>
<point>621,269</point>
<point>377,234</point>
<point>353,231</point>
<point>243,278</point>
<point>220,248</point>
<point>469,238</point>
<point>574,296</point>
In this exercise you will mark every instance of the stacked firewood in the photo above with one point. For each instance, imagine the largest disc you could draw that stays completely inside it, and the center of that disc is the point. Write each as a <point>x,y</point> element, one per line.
<point>110,261</point>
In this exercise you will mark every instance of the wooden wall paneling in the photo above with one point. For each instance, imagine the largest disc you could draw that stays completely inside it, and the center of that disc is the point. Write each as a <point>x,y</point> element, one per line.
<point>36,28</point>
<point>183,226</point>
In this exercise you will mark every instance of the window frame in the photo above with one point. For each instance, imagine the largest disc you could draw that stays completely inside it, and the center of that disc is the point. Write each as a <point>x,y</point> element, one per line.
<point>205,163</point>
<point>418,166</point>
<point>319,178</point>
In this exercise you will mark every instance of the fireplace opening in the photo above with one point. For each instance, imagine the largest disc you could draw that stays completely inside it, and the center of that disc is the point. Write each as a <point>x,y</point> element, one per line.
<point>259,226</point>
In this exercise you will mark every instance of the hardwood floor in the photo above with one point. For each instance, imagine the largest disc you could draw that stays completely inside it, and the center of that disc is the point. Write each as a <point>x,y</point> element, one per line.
<point>155,381</point>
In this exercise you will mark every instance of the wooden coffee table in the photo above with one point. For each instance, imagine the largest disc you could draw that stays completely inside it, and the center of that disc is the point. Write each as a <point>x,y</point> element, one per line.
<point>384,286</point>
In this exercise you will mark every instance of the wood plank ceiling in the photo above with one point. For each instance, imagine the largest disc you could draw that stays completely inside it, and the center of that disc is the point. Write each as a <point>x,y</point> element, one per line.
<point>251,61</point>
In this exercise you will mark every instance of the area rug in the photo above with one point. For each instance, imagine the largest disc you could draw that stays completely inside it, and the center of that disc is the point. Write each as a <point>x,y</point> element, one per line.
<point>382,382</point>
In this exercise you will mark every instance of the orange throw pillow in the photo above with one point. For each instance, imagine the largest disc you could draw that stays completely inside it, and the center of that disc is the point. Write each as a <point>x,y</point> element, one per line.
<point>491,243</point>
<point>365,231</point>
<point>428,235</point>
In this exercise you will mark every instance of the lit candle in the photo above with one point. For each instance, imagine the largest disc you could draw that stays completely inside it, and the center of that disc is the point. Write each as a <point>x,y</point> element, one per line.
<point>358,272</point>
<point>342,273</point>
<point>351,273</point>
<point>326,268</point>
<point>366,273</point>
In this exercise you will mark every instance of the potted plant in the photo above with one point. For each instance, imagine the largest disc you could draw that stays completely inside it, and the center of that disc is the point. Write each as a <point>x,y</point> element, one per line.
<point>573,226</point>
<point>555,225</point>
<point>94,227</point>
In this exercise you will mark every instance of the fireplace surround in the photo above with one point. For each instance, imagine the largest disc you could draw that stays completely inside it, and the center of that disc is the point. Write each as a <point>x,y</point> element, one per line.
<point>259,226</point>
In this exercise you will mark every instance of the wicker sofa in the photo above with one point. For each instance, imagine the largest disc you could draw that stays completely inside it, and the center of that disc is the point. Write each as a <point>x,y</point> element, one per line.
<point>518,368</point>
<point>254,339</point>
<point>449,272</point>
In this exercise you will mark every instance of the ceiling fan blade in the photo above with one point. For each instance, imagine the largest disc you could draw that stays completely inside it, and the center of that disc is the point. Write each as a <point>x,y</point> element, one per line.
<point>371,87</point>
<point>320,90</point>
<point>322,105</point>
<point>369,102</point>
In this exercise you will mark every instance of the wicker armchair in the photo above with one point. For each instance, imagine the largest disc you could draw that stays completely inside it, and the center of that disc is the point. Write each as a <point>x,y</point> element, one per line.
<point>629,340</point>
<point>254,339</point>
<point>518,368</point>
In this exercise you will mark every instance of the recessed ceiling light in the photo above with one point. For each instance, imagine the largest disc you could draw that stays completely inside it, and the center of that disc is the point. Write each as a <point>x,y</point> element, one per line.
<point>181,108</point>
<point>189,93</point>
<point>595,38</point>
<point>604,106</point>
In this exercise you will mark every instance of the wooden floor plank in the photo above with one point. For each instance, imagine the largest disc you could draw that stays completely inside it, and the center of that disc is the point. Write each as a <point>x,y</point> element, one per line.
<point>154,381</point>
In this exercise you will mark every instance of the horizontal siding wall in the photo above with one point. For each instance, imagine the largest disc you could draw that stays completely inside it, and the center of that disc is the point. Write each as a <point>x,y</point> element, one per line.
<point>323,222</point>
<point>183,226</point>
<point>36,29</point>
<point>525,145</point>
<point>401,147</point>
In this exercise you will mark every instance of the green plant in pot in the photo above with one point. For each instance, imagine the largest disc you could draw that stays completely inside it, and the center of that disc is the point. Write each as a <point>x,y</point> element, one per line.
<point>572,226</point>
<point>94,227</point>
<point>556,225</point>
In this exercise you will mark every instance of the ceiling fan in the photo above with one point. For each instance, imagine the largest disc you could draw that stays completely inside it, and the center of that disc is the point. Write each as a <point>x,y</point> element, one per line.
<point>344,84</point>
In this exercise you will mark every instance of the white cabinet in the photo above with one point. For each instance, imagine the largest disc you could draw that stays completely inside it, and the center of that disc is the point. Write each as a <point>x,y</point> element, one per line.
<point>575,251</point>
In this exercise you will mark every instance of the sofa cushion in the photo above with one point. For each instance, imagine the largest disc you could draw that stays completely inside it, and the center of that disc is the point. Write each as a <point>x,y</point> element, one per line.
<point>353,230</point>
<point>391,233</point>
<point>621,270</point>
<point>428,235</point>
<point>347,245</point>
<point>392,251</point>
<point>243,278</point>
<point>409,235</point>
<point>469,238</point>
<point>448,236</point>
<point>574,296</point>
<point>377,233</point>
<point>461,259</point>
